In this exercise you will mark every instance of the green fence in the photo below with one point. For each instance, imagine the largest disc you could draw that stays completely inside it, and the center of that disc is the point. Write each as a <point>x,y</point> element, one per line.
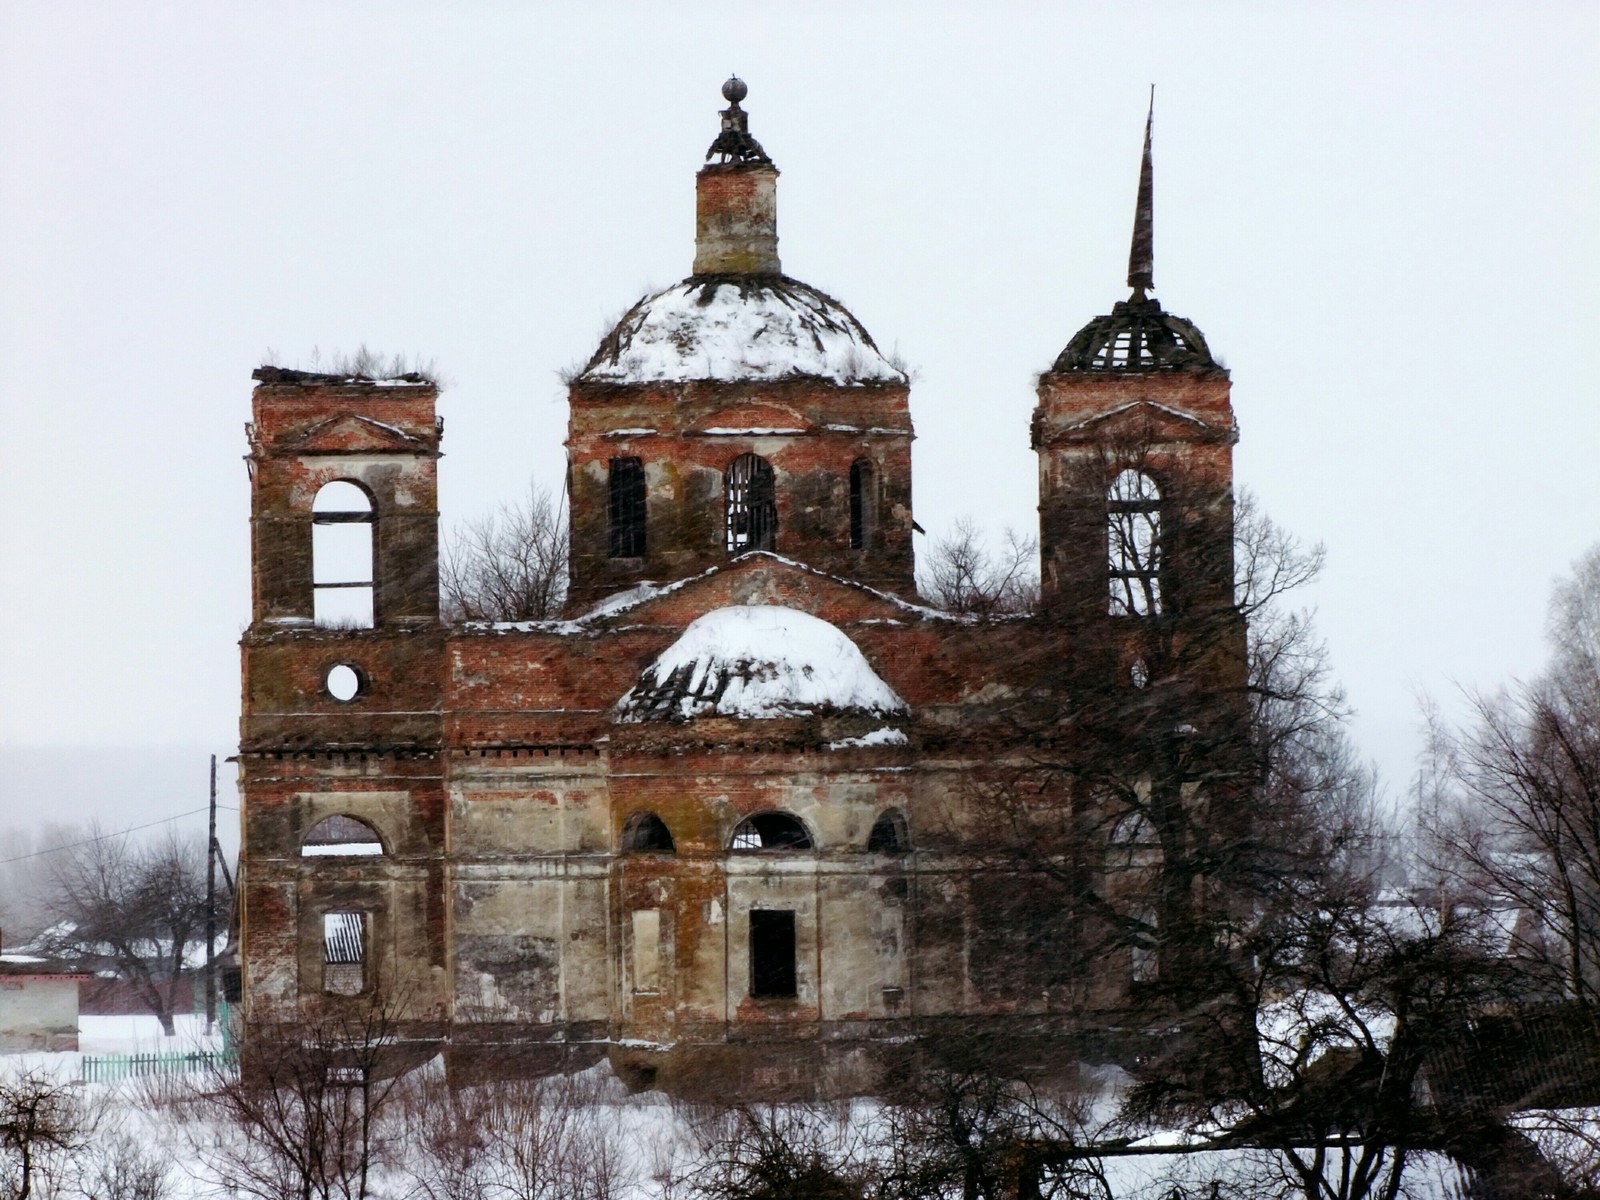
<point>111,1068</point>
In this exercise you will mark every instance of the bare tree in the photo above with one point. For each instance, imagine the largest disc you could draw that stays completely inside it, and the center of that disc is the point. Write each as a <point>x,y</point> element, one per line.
<point>305,1108</point>
<point>1520,789</point>
<point>962,575</point>
<point>510,565</point>
<point>43,1126</point>
<point>136,907</point>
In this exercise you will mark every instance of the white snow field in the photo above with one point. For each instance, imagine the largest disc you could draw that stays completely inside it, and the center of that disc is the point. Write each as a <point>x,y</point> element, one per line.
<point>646,1137</point>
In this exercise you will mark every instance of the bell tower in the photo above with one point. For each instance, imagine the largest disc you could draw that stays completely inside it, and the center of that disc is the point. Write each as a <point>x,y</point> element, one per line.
<point>1135,431</point>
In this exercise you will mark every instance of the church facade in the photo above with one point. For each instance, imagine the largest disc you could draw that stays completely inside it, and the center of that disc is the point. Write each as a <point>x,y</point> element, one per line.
<point>734,816</point>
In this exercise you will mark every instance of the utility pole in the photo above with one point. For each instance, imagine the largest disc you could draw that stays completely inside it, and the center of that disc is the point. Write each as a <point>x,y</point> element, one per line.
<point>211,906</point>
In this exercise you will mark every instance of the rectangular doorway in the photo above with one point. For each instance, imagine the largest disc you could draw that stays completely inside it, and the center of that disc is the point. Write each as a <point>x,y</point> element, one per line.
<point>772,967</point>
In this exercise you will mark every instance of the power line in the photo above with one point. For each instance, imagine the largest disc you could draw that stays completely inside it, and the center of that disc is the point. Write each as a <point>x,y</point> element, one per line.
<point>106,837</point>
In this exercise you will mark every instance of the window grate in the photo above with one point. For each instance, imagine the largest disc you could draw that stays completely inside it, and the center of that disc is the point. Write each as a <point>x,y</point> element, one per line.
<point>751,506</point>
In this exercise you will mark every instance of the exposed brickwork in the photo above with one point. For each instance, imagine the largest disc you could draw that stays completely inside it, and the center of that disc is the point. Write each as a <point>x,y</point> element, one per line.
<point>684,465</point>
<point>489,762</point>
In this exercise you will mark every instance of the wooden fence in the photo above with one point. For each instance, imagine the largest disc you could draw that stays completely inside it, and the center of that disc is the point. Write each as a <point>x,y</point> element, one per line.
<point>112,1068</point>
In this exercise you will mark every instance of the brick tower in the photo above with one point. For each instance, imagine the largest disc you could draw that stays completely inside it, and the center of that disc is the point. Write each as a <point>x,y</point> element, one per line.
<point>739,410</point>
<point>341,725</point>
<point>1135,433</point>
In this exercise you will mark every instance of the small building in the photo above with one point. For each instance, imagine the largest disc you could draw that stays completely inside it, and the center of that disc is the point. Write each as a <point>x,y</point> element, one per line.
<point>38,1003</point>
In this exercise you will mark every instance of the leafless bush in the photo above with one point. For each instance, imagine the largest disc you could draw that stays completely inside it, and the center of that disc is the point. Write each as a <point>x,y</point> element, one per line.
<point>555,1138</point>
<point>121,1166</point>
<point>364,363</point>
<point>961,575</point>
<point>44,1126</point>
<point>508,566</point>
<point>770,1152</point>
<point>306,1112</point>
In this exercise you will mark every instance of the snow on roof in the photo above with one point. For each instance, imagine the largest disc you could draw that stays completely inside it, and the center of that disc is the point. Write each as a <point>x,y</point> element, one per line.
<point>757,661</point>
<point>629,598</point>
<point>754,328</point>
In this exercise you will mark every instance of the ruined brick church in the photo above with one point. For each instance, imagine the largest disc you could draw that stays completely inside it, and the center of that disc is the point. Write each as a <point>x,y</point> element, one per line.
<point>722,820</point>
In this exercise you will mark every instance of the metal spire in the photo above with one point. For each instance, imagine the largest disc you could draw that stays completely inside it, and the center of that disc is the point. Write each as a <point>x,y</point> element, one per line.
<point>1141,257</point>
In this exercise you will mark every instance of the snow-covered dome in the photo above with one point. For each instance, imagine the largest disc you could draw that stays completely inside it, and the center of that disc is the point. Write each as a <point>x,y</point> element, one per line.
<point>755,327</point>
<point>758,661</point>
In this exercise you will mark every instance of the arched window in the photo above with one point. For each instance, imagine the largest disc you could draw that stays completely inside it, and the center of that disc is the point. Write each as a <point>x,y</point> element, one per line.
<point>771,831</point>
<point>646,833</point>
<point>1133,545</point>
<point>750,505</point>
<point>341,837</point>
<point>627,508</point>
<point>889,835</point>
<point>341,557</point>
<point>863,504</point>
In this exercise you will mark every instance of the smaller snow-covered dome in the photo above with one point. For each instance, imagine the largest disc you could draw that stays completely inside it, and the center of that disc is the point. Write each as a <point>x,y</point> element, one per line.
<point>747,328</point>
<point>758,661</point>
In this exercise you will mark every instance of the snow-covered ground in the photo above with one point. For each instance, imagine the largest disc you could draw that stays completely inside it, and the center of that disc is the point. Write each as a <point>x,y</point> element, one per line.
<point>647,1136</point>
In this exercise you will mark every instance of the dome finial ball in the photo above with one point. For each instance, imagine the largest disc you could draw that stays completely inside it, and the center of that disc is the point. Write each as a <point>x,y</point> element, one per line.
<point>734,90</point>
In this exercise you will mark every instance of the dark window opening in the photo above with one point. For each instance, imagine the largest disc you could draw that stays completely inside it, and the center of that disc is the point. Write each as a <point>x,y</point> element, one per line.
<point>772,967</point>
<point>771,831</point>
<point>889,835</point>
<point>344,953</point>
<point>627,508</point>
<point>646,833</point>
<point>1133,545</point>
<point>750,505</point>
<point>341,557</point>
<point>863,504</point>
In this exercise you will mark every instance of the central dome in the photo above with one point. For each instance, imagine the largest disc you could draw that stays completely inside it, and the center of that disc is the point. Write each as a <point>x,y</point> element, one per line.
<point>758,661</point>
<point>730,328</point>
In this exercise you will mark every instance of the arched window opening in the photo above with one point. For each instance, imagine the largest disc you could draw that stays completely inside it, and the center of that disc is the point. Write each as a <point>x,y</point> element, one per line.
<point>863,504</point>
<point>1133,843</point>
<point>1133,546</point>
<point>750,505</point>
<point>341,837</point>
<point>889,835</point>
<point>646,833</point>
<point>344,953</point>
<point>627,508</point>
<point>341,557</point>
<point>771,831</point>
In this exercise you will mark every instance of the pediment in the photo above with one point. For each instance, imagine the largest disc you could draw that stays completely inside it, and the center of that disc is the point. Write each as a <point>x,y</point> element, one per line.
<point>750,420</point>
<point>352,434</point>
<point>761,578</point>
<point>1146,421</point>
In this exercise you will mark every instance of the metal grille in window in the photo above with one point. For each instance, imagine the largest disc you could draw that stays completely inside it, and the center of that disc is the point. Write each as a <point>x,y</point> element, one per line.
<point>861,504</point>
<point>1133,545</point>
<point>344,953</point>
<point>627,508</point>
<point>751,504</point>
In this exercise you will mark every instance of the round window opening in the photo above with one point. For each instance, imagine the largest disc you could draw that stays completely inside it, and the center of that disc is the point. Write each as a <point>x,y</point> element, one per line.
<point>343,683</point>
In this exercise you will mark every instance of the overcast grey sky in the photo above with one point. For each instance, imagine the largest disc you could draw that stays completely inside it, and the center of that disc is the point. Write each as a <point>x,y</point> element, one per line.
<point>1383,216</point>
